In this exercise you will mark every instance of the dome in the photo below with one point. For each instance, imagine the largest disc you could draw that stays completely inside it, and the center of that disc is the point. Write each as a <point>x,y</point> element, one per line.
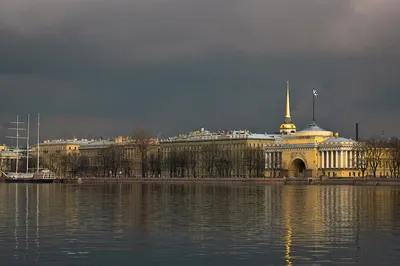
<point>314,130</point>
<point>288,126</point>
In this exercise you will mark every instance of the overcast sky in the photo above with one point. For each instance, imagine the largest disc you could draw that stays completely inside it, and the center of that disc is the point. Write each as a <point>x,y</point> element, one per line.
<point>102,68</point>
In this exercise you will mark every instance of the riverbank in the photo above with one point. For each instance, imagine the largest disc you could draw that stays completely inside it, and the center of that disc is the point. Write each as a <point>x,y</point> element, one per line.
<point>285,181</point>
<point>113,180</point>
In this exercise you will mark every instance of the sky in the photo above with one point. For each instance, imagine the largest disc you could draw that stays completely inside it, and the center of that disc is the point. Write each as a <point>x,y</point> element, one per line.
<point>96,68</point>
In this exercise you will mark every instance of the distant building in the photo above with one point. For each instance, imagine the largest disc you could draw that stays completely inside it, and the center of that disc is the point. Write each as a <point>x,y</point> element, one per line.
<point>118,157</point>
<point>314,152</point>
<point>309,152</point>
<point>229,153</point>
<point>7,159</point>
<point>61,146</point>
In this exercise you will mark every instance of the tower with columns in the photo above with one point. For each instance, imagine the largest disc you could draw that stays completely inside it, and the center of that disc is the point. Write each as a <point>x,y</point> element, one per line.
<point>310,152</point>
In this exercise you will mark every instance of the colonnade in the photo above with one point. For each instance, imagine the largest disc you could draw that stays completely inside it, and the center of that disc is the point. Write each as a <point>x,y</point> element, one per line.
<point>273,160</point>
<point>338,159</point>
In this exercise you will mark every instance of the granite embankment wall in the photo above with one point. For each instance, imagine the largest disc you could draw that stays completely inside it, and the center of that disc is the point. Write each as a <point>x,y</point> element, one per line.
<point>333,181</point>
<point>114,180</point>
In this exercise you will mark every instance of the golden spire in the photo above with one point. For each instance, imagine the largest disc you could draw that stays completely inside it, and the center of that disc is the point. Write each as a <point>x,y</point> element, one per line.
<point>287,127</point>
<point>287,115</point>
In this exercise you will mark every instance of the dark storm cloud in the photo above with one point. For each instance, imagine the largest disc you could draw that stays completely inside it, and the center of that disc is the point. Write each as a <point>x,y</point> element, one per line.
<point>104,67</point>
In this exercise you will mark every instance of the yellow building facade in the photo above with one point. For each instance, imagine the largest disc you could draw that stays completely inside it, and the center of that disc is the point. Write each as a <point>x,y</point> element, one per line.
<point>118,157</point>
<point>202,153</point>
<point>314,152</point>
<point>7,160</point>
<point>61,146</point>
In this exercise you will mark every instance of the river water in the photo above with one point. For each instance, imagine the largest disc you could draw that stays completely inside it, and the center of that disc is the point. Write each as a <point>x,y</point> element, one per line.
<point>198,224</point>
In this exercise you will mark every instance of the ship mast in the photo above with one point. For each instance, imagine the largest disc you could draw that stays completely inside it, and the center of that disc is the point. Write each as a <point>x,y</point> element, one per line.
<point>27,145</point>
<point>38,141</point>
<point>17,137</point>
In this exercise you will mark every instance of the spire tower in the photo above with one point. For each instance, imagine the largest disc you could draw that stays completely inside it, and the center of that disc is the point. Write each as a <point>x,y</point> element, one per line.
<point>288,119</point>
<point>287,127</point>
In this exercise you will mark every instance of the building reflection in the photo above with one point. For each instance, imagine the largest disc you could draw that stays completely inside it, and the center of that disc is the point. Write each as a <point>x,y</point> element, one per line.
<point>319,218</point>
<point>306,221</point>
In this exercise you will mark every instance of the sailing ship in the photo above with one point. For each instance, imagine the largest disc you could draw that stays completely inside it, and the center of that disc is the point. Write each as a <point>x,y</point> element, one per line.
<point>40,176</point>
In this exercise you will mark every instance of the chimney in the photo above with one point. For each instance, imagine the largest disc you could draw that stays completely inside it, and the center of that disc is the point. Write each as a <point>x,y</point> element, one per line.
<point>356,131</point>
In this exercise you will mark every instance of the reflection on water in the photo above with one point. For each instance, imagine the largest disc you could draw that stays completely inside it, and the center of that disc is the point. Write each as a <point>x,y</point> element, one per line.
<point>198,224</point>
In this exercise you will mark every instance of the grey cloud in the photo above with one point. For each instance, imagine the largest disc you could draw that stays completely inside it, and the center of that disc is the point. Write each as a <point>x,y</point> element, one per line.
<point>174,65</point>
<point>143,30</point>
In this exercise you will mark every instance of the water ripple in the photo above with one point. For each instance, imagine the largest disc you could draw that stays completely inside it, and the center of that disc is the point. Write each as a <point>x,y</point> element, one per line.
<point>198,224</point>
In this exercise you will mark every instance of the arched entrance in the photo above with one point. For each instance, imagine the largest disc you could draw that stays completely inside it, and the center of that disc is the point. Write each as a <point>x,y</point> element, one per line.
<point>298,168</point>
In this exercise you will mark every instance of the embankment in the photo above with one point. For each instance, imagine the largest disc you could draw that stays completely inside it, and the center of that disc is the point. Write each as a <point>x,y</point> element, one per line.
<point>113,180</point>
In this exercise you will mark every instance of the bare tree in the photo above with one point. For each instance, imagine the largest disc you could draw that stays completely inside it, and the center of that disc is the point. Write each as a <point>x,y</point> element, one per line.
<point>182,161</point>
<point>376,150</point>
<point>394,155</point>
<point>209,154</point>
<point>155,163</point>
<point>111,160</point>
<point>52,161</point>
<point>361,157</point>
<point>73,164</point>
<point>260,163</point>
<point>252,160</point>
<point>237,163</point>
<point>223,163</point>
<point>83,165</point>
<point>192,162</point>
<point>143,139</point>
<point>171,162</point>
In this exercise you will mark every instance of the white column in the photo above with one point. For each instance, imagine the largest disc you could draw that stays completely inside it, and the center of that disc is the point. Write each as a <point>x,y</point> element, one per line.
<point>351,159</point>
<point>322,159</point>
<point>327,159</point>
<point>337,160</point>
<point>270,159</point>
<point>346,161</point>
<point>341,159</point>
<point>266,160</point>
<point>273,159</point>
<point>331,155</point>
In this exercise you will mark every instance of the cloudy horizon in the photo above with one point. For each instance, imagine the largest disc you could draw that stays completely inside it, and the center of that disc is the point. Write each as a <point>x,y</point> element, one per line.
<point>102,68</point>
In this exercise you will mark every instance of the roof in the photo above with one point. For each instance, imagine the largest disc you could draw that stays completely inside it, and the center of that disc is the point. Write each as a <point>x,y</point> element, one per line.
<point>97,144</point>
<point>314,130</point>
<point>220,135</point>
<point>338,140</point>
<point>65,142</point>
<point>264,136</point>
<point>8,153</point>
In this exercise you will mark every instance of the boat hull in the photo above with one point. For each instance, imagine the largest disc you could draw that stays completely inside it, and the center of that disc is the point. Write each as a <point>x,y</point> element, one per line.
<point>11,180</point>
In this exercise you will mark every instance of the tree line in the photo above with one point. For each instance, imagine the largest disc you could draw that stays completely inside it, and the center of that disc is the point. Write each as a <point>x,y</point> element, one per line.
<point>375,154</point>
<point>142,157</point>
<point>208,161</point>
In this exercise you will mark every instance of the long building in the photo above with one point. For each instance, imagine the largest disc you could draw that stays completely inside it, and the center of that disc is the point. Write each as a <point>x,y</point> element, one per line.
<point>309,152</point>
<point>236,153</point>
